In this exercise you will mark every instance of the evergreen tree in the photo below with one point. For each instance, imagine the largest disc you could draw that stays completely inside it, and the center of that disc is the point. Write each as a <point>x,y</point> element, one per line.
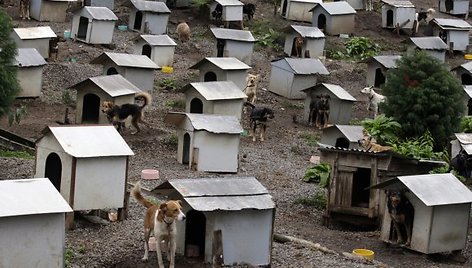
<point>422,94</point>
<point>9,87</point>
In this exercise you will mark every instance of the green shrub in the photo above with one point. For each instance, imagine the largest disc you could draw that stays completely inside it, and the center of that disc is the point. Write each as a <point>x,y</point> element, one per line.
<point>319,173</point>
<point>466,124</point>
<point>361,48</point>
<point>167,84</point>
<point>383,129</point>
<point>319,201</point>
<point>16,154</point>
<point>418,148</point>
<point>69,255</point>
<point>268,34</point>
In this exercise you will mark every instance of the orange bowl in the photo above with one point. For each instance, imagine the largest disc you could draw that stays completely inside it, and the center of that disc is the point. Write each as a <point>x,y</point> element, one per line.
<point>150,174</point>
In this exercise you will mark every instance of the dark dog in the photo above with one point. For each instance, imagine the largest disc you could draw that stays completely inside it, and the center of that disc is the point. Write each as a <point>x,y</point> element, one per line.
<point>249,10</point>
<point>401,212</point>
<point>462,163</point>
<point>218,12</point>
<point>258,118</point>
<point>24,9</point>
<point>53,47</point>
<point>117,114</point>
<point>319,111</point>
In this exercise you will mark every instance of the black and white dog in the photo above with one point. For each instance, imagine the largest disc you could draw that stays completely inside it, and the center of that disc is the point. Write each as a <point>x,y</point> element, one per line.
<point>319,111</point>
<point>258,119</point>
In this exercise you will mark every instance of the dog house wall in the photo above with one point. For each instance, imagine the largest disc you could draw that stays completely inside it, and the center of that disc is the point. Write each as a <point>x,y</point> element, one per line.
<point>30,72</point>
<point>155,16</point>
<point>459,7</point>
<point>238,43</point>
<point>400,12</point>
<point>37,217</point>
<point>299,10</point>
<point>34,37</point>
<point>49,10</point>
<point>340,17</point>
<point>464,73</point>
<point>432,45</point>
<point>162,48</point>
<point>232,10</point>
<point>314,40</point>
<point>382,63</point>
<point>457,32</point>
<point>101,24</point>
<point>225,69</point>
<point>350,133</point>
<point>110,4</point>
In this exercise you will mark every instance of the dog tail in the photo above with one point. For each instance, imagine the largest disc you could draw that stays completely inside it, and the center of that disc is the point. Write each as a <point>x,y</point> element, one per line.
<point>136,192</point>
<point>145,96</point>
<point>249,104</point>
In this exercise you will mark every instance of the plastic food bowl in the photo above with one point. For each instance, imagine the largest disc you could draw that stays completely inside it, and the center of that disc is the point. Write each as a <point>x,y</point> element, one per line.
<point>468,56</point>
<point>150,174</point>
<point>167,69</point>
<point>366,253</point>
<point>122,27</point>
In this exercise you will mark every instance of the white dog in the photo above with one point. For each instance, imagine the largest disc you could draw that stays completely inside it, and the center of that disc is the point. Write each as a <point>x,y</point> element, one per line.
<point>374,99</point>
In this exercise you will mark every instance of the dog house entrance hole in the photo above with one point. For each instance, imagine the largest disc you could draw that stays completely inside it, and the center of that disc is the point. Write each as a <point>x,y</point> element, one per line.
<point>53,170</point>
<point>360,181</point>
<point>195,226</point>
<point>146,50</point>
<point>342,143</point>
<point>389,18</point>
<point>466,79</point>
<point>379,78</point>
<point>112,71</point>
<point>210,76</point>
<point>449,5</point>
<point>196,106</point>
<point>90,108</point>
<point>322,22</point>
<point>83,26</point>
<point>186,149</point>
<point>138,20</point>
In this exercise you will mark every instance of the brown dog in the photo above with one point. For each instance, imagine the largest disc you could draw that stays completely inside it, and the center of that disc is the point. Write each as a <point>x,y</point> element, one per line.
<point>24,9</point>
<point>299,46</point>
<point>367,143</point>
<point>401,212</point>
<point>183,31</point>
<point>160,219</point>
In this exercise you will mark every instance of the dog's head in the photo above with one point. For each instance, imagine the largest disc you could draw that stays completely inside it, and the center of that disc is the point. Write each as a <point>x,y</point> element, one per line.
<point>395,198</point>
<point>299,41</point>
<point>324,99</point>
<point>251,80</point>
<point>365,141</point>
<point>172,209</point>
<point>107,106</point>
<point>367,90</point>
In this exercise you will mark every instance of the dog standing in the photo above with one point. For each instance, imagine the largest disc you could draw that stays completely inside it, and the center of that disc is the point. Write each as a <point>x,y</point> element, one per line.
<point>319,111</point>
<point>160,219</point>
<point>183,31</point>
<point>401,212</point>
<point>299,41</point>
<point>249,10</point>
<point>251,87</point>
<point>258,119</point>
<point>374,99</point>
<point>24,9</point>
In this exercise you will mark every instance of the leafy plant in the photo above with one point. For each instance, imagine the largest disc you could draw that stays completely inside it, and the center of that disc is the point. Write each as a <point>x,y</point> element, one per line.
<point>168,84</point>
<point>69,255</point>
<point>268,34</point>
<point>16,154</point>
<point>383,129</point>
<point>177,104</point>
<point>319,201</point>
<point>418,148</point>
<point>466,124</point>
<point>319,173</point>
<point>361,48</point>
<point>310,137</point>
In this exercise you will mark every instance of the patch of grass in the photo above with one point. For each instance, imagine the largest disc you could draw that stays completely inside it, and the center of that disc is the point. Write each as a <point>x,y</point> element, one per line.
<point>177,104</point>
<point>318,201</point>
<point>171,140</point>
<point>167,84</point>
<point>268,34</point>
<point>355,122</point>
<point>69,256</point>
<point>16,154</point>
<point>67,98</point>
<point>293,105</point>
<point>310,137</point>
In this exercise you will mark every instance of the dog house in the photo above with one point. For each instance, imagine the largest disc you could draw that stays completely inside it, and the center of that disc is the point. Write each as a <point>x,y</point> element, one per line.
<point>468,100</point>
<point>454,32</point>
<point>138,69</point>
<point>432,45</point>
<point>464,73</point>
<point>290,76</point>
<point>30,72</point>
<point>297,10</point>
<point>230,220</point>
<point>377,67</point>
<point>93,25</point>
<point>353,170</point>
<point>398,14</point>
<point>32,220</point>
<point>222,69</point>
<point>342,136</point>
<point>454,7</point>
<point>75,157</point>
<point>313,41</point>
<point>334,18</point>
<point>159,48</point>
<point>231,10</point>
<point>92,92</point>
<point>218,97</point>
<point>34,37</point>
<point>463,141</point>
<point>340,102</point>
<point>357,4</point>
<point>149,17</point>
<point>234,43</point>
<point>49,10</point>
<point>207,142</point>
<point>441,214</point>
<point>110,4</point>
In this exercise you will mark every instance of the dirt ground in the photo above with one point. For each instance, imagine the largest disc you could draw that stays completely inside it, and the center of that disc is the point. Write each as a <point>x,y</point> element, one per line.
<point>278,163</point>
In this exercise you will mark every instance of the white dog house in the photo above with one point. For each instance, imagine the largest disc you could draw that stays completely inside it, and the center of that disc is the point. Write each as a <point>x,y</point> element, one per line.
<point>297,10</point>
<point>399,13</point>
<point>234,43</point>
<point>357,4</point>
<point>32,220</point>
<point>159,48</point>
<point>74,158</point>
<point>138,69</point>
<point>207,142</point>
<point>110,4</point>
<point>222,69</point>
<point>229,219</point>
<point>290,76</point>
<point>377,67</point>
<point>148,17</point>
<point>30,72</point>
<point>334,18</point>
<point>342,136</point>
<point>468,100</point>
<point>34,37</point>
<point>454,7</point>
<point>464,72</point>
<point>433,45</point>
<point>454,32</point>
<point>340,102</point>
<point>49,10</point>
<point>463,141</point>
<point>219,97</point>
<point>441,214</point>
<point>92,92</point>
<point>314,41</point>
<point>231,10</point>
<point>93,25</point>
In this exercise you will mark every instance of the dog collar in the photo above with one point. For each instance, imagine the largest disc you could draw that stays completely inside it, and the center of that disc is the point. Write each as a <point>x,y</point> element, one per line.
<point>168,223</point>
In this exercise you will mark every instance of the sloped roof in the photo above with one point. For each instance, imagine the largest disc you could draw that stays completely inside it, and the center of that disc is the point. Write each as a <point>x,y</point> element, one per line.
<point>35,32</point>
<point>229,2</point>
<point>308,31</point>
<point>89,141</point>
<point>336,8</point>
<point>158,40</point>
<point>100,13</point>
<point>304,65</point>
<point>217,90</point>
<point>224,63</point>
<point>429,43</point>
<point>465,140</point>
<point>387,61</point>
<point>225,193</point>
<point>114,85</point>
<point>467,66</point>
<point>452,24</point>
<point>468,90</point>
<point>149,6</point>
<point>29,57</point>
<point>352,132</point>
<point>233,34</point>
<point>30,197</point>
<point>218,124</point>
<point>399,3</point>
<point>126,60</point>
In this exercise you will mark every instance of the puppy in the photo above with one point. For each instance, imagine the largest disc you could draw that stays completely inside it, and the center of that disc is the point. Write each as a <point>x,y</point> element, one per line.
<point>299,46</point>
<point>367,143</point>
<point>183,31</point>
<point>401,212</point>
<point>319,111</point>
<point>117,114</point>
<point>160,219</point>
<point>24,9</point>
<point>258,119</point>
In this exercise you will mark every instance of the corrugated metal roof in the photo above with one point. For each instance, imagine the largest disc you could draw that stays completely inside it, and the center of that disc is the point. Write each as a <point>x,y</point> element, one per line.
<point>455,24</point>
<point>114,85</point>
<point>308,31</point>
<point>399,3</point>
<point>336,8</point>
<point>35,32</point>
<point>218,124</point>
<point>150,6</point>
<point>30,197</point>
<point>90,141</point>
<point>232,34</point>
<point>387,61</point>
<point>100,13</point>
<point>351,132</point>
<point>229,2</point>
<point>126,60</point>
<point>306,66</point>
<point>29,57</point>
<point>224,63</point>
<point>217,90</point>
<point>468,90</point>
<point>429,42</point>
<point>158,40</point>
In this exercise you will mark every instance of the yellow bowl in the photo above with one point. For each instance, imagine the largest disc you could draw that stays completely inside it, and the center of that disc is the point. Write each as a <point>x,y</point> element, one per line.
<point>167,69</point>
<point>366,253</point>
<point>468,56</point>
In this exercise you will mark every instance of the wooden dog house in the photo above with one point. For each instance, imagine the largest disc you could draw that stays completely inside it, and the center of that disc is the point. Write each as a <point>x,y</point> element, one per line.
<point>234,43</point>
<point>377,67</point>
<point>159,48</point>
<point>110,4</point>
<point>32,219</point>
<point>314,41</point>
<point>454,32</point>
<point>93,25</point>
<point>149,17</point>
<point>49,10</point>
<point>207,142</point>
<point>441,214</point>
<point>75,157</point>
<point>432,45</point>
<point>30,72</point>
<point>464,73</point>
<point>454,7</point>
<point>398,14</point>
<point>34,37</point>
<point>297,10</point>
<point>334,18</point>
<point>231,10</point>
<point>229,219</point>
<point>342,136</point>
<point>222,69</point>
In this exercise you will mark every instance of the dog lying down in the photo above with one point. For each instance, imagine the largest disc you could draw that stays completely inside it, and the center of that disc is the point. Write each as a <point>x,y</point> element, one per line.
<point>258,119</point>
<point>368,143</point>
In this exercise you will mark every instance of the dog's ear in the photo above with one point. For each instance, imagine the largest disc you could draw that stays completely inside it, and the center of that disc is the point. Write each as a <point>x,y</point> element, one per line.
<point>180,202</point>
<point>163,207</point>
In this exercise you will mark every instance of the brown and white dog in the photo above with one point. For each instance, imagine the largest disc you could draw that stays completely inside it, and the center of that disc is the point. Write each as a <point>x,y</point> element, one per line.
<point>401,212</point>
<point>251,87</point>
<point>368,143</point>
<point>24,9</point>
<point>160,219</point>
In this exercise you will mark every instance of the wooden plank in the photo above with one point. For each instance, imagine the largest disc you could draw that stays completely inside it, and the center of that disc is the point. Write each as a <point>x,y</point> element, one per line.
<point>351,210</point>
